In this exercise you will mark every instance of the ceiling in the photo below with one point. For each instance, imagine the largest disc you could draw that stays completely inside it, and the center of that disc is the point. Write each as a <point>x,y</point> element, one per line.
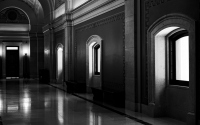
<point>33,4</point>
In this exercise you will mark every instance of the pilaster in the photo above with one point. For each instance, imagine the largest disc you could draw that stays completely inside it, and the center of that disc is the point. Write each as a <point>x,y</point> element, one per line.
<point>131,94</point>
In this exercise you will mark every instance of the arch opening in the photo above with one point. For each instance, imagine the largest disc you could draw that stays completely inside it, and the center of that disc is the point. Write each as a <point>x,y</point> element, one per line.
<point>171,50</point>
<point>14,19</point>
<point>94,62</point>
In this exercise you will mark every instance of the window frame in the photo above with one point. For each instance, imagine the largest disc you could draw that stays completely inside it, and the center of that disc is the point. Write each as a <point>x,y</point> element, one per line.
<point>96,62</point>
<point>172,58</point>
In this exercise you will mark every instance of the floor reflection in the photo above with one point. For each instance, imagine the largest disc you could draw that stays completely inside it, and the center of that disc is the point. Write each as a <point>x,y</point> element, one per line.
<point>60,108</point>
<point>95,119</point>
<point>31,103</point>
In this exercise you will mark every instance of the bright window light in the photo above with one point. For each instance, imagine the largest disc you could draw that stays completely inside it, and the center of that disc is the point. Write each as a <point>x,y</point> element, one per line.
<point>11,48</point>
<point>59,61</point>
<point>99,61</point>
<point>182,59</point>
<point>91,57</point>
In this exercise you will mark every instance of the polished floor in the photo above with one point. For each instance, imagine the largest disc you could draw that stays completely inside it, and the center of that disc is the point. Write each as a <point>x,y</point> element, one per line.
<point>25,102</point>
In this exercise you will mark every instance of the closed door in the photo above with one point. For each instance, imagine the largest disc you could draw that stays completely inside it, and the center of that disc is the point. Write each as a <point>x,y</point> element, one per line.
<point>12,61</point>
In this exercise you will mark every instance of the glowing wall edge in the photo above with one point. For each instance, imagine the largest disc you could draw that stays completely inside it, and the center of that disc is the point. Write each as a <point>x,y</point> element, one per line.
<point>15,27</point>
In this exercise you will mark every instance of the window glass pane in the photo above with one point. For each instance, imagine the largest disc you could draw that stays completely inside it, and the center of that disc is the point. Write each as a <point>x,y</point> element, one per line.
<point>182,59</point>
<point>59,61</point>
<point>98,51</point>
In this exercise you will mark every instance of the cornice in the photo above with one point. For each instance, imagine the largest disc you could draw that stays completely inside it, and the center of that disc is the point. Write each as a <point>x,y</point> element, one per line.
<point>88,11</point>
<point>11,33</point>
<point>85,5</point>
<point>59,23</point>
<point>101,22</point>
<point>14,37</point>
<point>93,9</point>
<point>46,28</point>
<point>62,22</point>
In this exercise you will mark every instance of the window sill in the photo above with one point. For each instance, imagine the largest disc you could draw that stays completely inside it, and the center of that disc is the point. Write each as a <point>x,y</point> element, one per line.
<point>178,86</point>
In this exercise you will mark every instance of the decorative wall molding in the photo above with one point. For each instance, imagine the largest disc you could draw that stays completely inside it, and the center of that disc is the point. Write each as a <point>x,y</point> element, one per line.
<point>59,24</point>
<point>104,21</point>
<point>87,6</point>
<point>47,27</point>
<point>15,27</point>
<point>63,22</point>
<point>13,15</point>
<point>87,11</point>
<point>59,21</point>
<point>93,9</point>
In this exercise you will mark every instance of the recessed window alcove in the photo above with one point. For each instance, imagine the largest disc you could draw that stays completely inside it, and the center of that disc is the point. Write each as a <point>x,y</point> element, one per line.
<point>171,67</point>
<point>94,62</point>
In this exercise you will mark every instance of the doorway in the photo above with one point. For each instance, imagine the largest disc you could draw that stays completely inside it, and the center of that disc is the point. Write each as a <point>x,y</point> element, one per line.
<point>12,62</point>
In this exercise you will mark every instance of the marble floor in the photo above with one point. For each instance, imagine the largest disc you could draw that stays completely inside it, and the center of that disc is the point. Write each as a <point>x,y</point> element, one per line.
<point>26,102</point>
<point>140,117</point>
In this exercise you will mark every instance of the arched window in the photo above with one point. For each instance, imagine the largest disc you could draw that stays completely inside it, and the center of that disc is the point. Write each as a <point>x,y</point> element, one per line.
<point>94,61</point>
<point>179,57</point>
<point>171,66</point>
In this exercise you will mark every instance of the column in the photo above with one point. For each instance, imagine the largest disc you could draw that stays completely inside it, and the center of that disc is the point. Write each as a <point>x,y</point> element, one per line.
<point>131,84</point>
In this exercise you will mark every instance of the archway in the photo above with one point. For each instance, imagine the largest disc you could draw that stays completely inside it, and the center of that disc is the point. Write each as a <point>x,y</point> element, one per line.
<point>14,31</point>
<point>168,96</point>
<point>94,62</point>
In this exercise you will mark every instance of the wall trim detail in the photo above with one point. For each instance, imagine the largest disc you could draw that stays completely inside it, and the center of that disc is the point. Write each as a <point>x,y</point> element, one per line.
<point>93,9</point>
<point>104,21</point>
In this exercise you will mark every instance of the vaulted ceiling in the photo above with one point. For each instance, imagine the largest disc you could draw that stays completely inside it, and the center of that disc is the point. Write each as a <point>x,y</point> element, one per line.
<point>47,7</point>
<point>39,7</point>
<point>33,4</point>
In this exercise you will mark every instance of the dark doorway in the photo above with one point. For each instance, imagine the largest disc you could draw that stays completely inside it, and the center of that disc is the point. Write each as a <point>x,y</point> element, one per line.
<point>12,62</point>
